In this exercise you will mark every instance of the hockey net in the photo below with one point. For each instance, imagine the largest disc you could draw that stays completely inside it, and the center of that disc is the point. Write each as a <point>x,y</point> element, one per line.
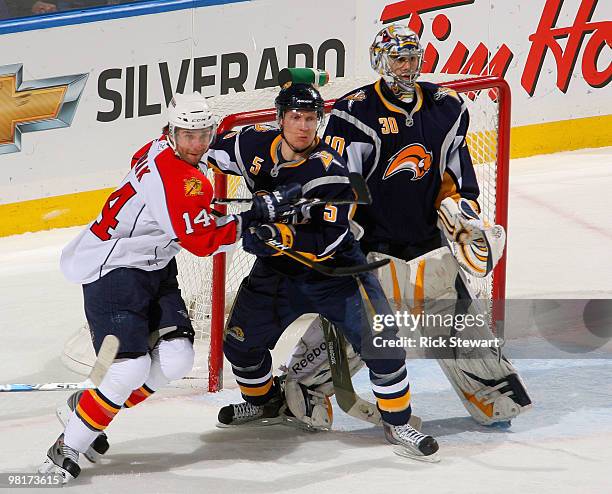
<point>210,284</point>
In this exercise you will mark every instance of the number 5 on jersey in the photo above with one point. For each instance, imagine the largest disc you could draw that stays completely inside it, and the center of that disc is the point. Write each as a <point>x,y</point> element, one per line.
<point>202,217</point>
<point>330,213</point>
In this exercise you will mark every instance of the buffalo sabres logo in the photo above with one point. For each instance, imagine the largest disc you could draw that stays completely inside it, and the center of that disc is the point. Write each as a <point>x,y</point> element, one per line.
<point>262,127</point>
<point>413,158</point>
<point>358,96</point>
<point>193,187</point>
<point>234,331</point>
<point>443,92</point>
<point>325,157</point>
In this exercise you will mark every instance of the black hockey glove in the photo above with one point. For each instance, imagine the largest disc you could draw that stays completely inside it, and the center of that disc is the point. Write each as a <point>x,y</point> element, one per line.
<point>272,207</point>
<point>254,239</point>
<point>299,214</point>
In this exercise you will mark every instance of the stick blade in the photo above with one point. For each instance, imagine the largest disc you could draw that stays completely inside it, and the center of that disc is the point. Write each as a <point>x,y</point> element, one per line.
<point>106,356</point>
<point>355,270</point>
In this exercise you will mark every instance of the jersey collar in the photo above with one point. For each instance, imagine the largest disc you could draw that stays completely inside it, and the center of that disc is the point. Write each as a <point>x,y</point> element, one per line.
<point>418,93</point>
<point>277,157</point>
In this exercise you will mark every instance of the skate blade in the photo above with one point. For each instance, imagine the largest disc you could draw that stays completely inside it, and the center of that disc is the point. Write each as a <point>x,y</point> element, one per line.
<point>253,424</point>
<point>50,468</point>
<point>299,425</point>
<point>405,453</point>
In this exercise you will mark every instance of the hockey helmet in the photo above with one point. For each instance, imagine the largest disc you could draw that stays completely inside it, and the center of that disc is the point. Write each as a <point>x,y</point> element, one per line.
<point>189,111</point>
<point>393,42</point>
<point>299,96</point>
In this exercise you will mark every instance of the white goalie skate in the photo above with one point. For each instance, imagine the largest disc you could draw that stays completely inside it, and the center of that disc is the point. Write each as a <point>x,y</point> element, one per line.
<point>410,443</point>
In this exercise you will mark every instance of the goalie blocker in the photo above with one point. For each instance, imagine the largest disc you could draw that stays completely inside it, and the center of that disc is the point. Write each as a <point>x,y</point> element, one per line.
<point>486,382</point>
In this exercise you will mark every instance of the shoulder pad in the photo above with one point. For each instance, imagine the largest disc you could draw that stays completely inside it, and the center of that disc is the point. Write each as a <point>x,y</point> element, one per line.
<point>259,128</point>
<point>357,95</point>
<point>258,134</point>
<point>439,94</point>
<point>328,156</point>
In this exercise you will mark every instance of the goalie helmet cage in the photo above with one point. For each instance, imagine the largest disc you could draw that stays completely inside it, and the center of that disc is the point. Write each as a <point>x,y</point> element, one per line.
<point>488,100</point>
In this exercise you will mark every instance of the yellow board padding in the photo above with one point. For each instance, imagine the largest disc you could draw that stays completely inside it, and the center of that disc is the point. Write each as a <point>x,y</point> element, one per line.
<point>565,135</point>
<point>82,207</point>
<point>52,212</point>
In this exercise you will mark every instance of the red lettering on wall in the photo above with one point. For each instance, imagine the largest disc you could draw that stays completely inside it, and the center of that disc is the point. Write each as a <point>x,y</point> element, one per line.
<point>460,61</point>
<point>546,36</point>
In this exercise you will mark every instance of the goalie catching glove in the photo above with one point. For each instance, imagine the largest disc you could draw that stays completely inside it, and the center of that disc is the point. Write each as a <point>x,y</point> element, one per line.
<point>477,246</point>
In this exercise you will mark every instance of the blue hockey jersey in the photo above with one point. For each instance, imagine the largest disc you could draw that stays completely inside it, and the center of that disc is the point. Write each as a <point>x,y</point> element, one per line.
<point>254,153</point>
<point>412,156</point>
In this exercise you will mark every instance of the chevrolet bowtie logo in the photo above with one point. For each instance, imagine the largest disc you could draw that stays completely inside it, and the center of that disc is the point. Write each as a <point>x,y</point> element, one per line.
<point>35,105</point>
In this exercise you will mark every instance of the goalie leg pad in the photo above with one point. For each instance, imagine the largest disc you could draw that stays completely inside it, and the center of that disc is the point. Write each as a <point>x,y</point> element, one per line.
<point>486,382</point>
<point>309,364</point>
<point>428,277</point>
<point>488,401</point>
<point>310,407</point>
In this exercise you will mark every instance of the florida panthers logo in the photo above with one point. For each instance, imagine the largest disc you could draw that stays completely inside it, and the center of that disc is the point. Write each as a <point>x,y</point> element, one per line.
<point>412,158</point>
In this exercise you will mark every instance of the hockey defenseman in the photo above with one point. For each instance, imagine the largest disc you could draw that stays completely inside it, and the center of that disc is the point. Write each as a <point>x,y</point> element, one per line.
<point>125,260</point>
<point>408,140</point>
<point>278,289</point>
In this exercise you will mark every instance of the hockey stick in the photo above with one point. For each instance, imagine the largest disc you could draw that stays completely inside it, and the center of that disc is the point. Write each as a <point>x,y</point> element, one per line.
<point>326,270</point>
<point>358,184</point>
<point>106,355</point>
<point>346,397</point>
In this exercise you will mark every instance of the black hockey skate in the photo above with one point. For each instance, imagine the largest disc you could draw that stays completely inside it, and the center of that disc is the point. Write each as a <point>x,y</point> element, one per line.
<point>61,460</point>
<point>100,444</point>
<point>247,415</point>
<point>411,443</point>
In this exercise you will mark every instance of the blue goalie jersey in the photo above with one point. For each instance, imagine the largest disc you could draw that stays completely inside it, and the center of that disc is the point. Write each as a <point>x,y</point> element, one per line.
<point>254,153</point>
<point>411,155</point>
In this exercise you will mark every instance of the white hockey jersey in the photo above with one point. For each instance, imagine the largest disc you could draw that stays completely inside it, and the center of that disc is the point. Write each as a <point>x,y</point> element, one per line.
<point>162,204</point>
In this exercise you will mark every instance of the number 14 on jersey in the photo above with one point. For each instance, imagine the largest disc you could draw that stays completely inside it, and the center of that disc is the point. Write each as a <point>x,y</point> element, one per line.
<point>202,218</point>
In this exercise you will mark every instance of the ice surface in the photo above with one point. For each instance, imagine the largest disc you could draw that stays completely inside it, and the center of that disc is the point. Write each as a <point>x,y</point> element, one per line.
<point>559,246</point>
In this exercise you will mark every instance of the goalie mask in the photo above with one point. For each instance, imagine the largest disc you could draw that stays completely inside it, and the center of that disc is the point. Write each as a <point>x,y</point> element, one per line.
<point>191,112</point>
<point>396,54</point>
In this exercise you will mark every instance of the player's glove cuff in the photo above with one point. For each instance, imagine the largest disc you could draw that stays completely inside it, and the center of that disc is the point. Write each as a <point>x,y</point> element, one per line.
<point>267,240</point>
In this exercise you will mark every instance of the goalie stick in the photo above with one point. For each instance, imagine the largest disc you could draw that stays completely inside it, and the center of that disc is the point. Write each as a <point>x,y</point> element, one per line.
<point>358,184</point>
<point>106,355</point>
<point>346,397</point>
